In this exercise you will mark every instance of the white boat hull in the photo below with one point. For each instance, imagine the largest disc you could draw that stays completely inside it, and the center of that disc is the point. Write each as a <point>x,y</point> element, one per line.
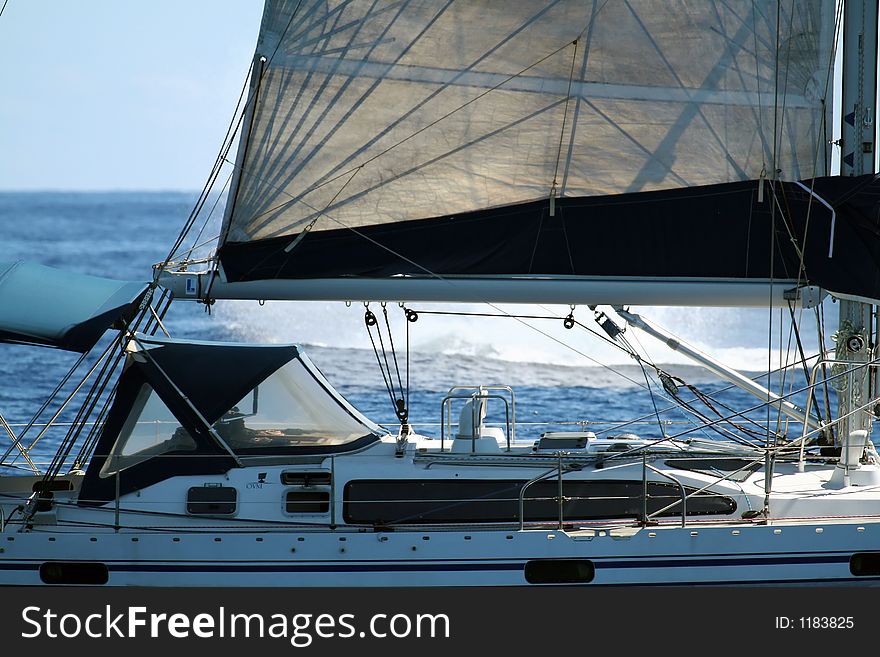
<point>799,553</point>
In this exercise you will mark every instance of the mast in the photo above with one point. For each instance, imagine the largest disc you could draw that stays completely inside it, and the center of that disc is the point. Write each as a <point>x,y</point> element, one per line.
<point>855,341</point>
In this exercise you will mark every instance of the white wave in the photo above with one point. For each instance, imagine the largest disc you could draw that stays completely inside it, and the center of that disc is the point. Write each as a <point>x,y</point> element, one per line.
<point>736,337</point>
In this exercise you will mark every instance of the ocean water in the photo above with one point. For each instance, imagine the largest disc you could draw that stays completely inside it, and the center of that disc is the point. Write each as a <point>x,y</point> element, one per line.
<point>561,377</point>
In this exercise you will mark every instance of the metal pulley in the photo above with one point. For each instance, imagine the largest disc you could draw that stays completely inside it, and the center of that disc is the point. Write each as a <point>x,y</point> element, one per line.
<point>401,410</point>
<point>855,343</point>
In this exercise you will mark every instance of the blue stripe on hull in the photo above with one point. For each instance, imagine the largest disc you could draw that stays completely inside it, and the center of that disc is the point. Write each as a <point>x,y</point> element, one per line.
<point>601,565</point>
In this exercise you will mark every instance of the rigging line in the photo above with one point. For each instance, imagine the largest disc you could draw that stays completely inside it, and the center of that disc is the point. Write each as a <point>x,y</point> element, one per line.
<point>822,140</point>
<point>800,346</point>
<point>163,302</point>
<point>452,283</point>
<point>503,314</point>
<point>196,245</point>
<point>720,429</point>
<point>407,323</point>
<point>45,405</point>
<point>68,399</point>
<point>507,38</point>
<point>760,111</point>
<point>388,381</point>
<point>413,168</point>
<point>393,350</point>
<point>776,90</point>
<point>752,409</point>
<point>190,260</point>
<point>5,2</point>
<point>103,378</point>
<point>770,291</point>
<point>558,158</point>
<point>418,132</point>
<point>651,393</point>
<point>565,113</point>
<point>17,444</point>
<point>506,315</point>
<point>247,128</point>
<point>65,447</point>
<point>801,275</point>
<point>304,116</point>
<point>682,406</point>
<point>91,440</point>
<point>785,373</point>
<point>226,144</point>
<point>588,40</point>
<point>698,393</point>
<point>707,401</point>
<point>785,80</point>
<point>670,408</point>
<point>820,323</point>
<point>299,238</point>
<point>398,175</point>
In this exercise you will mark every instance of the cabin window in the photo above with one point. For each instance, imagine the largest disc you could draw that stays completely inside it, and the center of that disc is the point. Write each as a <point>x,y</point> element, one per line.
<point>385,502</point>
<point>150,431</point>
<point>303,501</point>
<point>312,492</point>
<point>292,408</point>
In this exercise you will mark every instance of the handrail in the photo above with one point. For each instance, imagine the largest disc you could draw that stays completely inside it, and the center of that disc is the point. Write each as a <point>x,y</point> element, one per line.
<point>446,412</point>
<point>495,386</point>
<point>681,490</point>
<point>522,492</point>
<point>849,368</point>
<point>558,470</point>
<point>646,466</point>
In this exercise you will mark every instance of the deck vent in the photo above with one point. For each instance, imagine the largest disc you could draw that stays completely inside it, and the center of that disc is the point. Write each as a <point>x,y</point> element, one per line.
<point>565,439</point>
<point>73,572</point>
<point>864,564</point>
<point>211,501</point>
<point>560,571</point>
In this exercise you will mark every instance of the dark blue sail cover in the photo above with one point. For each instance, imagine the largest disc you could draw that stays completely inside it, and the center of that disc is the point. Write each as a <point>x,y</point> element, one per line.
<point>723,231</point>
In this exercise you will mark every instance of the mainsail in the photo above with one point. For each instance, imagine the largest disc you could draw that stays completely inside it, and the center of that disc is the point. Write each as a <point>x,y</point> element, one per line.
<point>421,139</point>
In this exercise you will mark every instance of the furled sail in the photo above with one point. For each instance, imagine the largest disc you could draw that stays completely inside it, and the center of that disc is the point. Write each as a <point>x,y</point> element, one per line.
<point>368,119</point>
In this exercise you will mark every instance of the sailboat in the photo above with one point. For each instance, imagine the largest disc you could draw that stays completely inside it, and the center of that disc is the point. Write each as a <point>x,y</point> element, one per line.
<point>599,155</point>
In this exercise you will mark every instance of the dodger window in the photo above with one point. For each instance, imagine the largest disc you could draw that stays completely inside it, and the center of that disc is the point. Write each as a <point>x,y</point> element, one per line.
<point>294,407</point>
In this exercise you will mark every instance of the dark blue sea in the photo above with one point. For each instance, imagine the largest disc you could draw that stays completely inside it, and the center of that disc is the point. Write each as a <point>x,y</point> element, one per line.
<point>560,377</point>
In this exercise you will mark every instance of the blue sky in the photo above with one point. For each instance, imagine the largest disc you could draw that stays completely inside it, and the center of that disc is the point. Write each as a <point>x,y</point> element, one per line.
<point>116,94</point>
